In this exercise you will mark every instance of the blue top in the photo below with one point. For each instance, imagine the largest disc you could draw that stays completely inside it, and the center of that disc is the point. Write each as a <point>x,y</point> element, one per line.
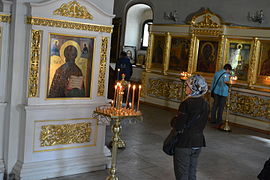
<point>221,88</point>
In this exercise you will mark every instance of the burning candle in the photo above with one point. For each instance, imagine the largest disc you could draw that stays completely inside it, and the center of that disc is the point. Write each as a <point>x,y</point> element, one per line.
<point>129,85</point>
<point>133,95</point>
<point>118,71</point>
<point>138,105</point>
<point>115,90</point>
<point>129,105</point>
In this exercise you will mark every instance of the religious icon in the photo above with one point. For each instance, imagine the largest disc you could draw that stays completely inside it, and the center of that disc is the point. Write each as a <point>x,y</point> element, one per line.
<point>179,54</point>
<point>70,66</point>
<point>158,50</point>
<point>265,59</point>
<point>131,53</point>
<point>238,57</point>
<point>207,56</point>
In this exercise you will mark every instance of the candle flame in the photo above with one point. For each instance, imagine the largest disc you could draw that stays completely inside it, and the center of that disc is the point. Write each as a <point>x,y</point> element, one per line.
<point>134,87</point>
<point>140,86</point>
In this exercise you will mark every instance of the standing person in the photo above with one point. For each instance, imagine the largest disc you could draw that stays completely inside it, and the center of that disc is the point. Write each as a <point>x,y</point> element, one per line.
<point>125,66</point>
<point>192,117</point>
<point>220,89</point>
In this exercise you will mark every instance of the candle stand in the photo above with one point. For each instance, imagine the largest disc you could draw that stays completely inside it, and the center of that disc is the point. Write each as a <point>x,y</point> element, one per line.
<point>225,126</point>
<point>116,113</point>
<point>184,76</point>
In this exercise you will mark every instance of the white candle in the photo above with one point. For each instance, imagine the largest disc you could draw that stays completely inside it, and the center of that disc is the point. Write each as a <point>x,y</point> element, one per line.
<point>133,95</point>
<point>138,105</point>
<point>129,85</point>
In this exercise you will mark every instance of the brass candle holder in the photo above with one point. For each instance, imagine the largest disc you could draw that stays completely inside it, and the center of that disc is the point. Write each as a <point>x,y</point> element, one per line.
<point>117,112</point>
<point>225,126</point>
<point>184,76</point>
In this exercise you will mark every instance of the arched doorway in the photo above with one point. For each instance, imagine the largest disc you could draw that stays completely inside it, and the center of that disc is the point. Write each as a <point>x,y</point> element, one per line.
<point>138,18</point>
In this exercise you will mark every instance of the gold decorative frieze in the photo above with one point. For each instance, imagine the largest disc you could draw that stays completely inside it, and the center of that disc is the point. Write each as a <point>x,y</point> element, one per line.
<point>149,52</point>
<point>5,18</point>
<point>68,24</point>
<point>206,32</point>
<point>73,9</point>
<point>102,66</point>
<point>63,134</point>
<point>167,53</point>
<point>33,79</point>
<point>165,89</point>
<point>252,106</point>
<point>253,66</point>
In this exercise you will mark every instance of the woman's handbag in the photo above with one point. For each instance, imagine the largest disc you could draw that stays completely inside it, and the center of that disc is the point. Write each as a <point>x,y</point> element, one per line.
<point>170,142</point>
<point>175,136</point>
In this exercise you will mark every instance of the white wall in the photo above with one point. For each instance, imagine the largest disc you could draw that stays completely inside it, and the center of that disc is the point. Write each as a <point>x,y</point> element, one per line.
<point>136,15</point>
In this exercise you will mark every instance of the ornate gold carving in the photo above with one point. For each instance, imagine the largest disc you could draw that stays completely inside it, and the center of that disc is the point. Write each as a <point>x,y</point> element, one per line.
<point>250,106</point>
<point>206,32</point>
<point>167,53</point>
<point>206,23</point>
<point>253,66</point>
<point>220,53</point>
<point>73,9</point>
<point>33,78</point>
<point>165,89</point>
<point>5,18</point>
<point>52,135</point>
<point>191,59</point>
<point>143,94</point>
<point>102,66</point>
<point>149,52</point>
<point>68,24</point>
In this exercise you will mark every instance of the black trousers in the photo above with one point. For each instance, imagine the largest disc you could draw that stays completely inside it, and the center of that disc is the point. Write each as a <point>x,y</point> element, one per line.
<point>185,163</point>
<point>217,109</point>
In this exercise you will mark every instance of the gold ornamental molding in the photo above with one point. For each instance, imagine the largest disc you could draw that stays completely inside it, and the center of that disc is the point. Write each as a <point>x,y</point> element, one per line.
<point>165,89</point>
<point>207,32</point>
<point>102,66</point>
<point>166,59</point>
<point>73,9</point>
<point>68,24</point>
<point>33,79</point>
<point>63,134</point>
<point>220,53</point>
<point>143,94</point>
<point>191,57</point>
<point>253,66</point>
<point>5,18</point>
<point>251,106</point>
<point>149,52</point>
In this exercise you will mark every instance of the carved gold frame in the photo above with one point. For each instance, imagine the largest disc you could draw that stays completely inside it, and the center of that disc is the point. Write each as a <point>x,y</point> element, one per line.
<point>48,68</point>
<point>261,80</point>
<point>187,37</point>
<point>64,148</point>
<point>252,59</point>
<point>157,66</point>
<point>194,52</point>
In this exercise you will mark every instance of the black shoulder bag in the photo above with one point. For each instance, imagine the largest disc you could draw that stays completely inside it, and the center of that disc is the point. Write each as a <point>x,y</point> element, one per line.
<point>212,91</point>
<point>174,136</point>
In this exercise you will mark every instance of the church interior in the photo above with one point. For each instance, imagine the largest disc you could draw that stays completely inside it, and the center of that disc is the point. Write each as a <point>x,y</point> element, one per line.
<point>67,113</point>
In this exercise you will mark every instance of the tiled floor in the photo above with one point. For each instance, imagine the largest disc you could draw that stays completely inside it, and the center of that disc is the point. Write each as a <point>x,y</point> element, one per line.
<point>238,155</point>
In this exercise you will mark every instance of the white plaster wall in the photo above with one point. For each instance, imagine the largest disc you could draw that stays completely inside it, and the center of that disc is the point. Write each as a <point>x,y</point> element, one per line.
<point>231,11</point>
<point>135,17</point>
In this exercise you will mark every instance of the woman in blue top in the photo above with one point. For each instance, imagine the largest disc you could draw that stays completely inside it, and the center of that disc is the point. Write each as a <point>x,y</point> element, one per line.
<point>220,89</point>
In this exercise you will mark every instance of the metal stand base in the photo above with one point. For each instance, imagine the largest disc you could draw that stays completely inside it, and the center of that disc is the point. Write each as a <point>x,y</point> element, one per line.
<point>225,127</point>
